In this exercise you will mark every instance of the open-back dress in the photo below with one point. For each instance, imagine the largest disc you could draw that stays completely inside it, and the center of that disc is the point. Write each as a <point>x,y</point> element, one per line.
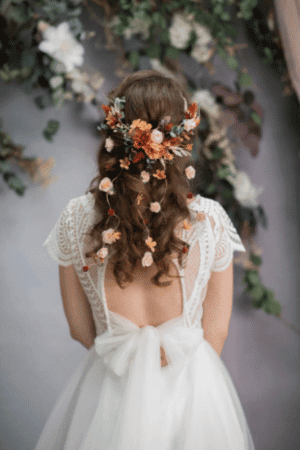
<point>120,397</point>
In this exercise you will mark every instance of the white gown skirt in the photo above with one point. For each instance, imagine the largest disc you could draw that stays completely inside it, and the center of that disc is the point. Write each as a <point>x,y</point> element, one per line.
<point>116,402</point>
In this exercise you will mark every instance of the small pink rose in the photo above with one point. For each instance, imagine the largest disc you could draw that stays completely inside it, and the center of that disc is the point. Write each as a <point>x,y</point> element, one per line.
<point>109,144</point>
<point>102,252</point>
<point>145,176</point>
<point>105,185</point>
<point>155,207</point>
<point>157,136</point>
<point>147,259</point>
<point>190,172</point>
<point>108,236</point>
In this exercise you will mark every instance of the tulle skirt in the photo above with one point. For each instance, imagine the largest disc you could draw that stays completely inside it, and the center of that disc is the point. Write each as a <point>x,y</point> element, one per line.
<point>188,405</point>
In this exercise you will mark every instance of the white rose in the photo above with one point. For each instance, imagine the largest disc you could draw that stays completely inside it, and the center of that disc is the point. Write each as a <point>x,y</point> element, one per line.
<point>108,236</point>
<point>105,185</point>
<point>102,252</point>
<point>179,31</point>
<point>145,176</point>
<point>201,53</point>
<point>245,192</point>
<point>157,136</point>
<point>56,81</point>
<point>155,207</point>
<point>206,101</point>
<point>109,144</point>
<point>147,259</point>
<point>60,43</point>
<point>190,172</point>
<point>189,124</point>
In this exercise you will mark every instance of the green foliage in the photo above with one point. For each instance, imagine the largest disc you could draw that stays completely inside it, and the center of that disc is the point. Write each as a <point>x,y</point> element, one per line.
<point>256,117</point>
<point>245,79</point>
<point>51,129</point>
<point>210,189</point>
<point>232,62</point>
<point>134,58</point>
<point>172,52</point>
<point>246,9</point>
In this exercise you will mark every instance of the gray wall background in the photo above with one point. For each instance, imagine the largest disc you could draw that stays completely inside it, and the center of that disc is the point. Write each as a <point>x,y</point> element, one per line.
<point>38,356</point>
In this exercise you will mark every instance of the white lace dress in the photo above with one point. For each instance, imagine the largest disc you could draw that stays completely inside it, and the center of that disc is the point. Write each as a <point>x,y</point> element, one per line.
<point>120,398</point>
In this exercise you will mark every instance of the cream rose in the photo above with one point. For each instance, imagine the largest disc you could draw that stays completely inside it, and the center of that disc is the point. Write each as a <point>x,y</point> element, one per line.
<point>157,136</point>
<point>190,172</point>
<point>108,236</point>
<point>105,185</point>
<point>155,207</point>
<point>102,252</point>
<point>147,259</point>
<point>109,144</point>
<point>189,124</point>
<point>145,176</point>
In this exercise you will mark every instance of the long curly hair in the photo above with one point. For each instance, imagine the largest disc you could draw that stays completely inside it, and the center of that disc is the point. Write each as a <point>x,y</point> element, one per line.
<point>149,96</point>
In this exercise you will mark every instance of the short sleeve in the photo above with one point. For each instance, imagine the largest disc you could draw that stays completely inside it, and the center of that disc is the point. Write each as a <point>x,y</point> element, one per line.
<point>58,242</point>
<point>227,239</point>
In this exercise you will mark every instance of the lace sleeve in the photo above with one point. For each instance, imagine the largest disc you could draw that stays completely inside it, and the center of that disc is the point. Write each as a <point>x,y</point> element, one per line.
<point>58,242</point>
<point>227,240</point>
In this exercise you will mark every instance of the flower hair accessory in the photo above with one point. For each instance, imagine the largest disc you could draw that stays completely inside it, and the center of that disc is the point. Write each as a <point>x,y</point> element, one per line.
<point>142,141</point>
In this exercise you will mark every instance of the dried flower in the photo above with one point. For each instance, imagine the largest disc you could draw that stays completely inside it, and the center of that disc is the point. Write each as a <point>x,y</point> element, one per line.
<point>145,176</point>
<point>109,144</point>
<point>155,207</point>
<point>190,172</point>
<point>151,243</point>
<point>147,259</point>
<point>105,184</point>
<point>160,174</point>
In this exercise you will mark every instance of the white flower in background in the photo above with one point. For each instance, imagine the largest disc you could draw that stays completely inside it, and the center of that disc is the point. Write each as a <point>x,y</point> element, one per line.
<point>206,101</point>
<point>60,43</point>
<point>203,34</point>
<point>109,144</point>
<point>79,84</point>
<point>139,23</point>
<point>57,66</point>
<point>180,31</point>
<point>201,54</point>
<point>244,191</point>
<point>56,81</point>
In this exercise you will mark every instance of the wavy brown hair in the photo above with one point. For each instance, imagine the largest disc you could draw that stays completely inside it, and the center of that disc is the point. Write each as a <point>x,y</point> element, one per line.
<point>149,96</point>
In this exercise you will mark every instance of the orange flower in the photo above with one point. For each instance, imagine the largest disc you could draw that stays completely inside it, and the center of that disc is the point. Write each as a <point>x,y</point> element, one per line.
<point>168,127</point>
<point>106,109</point>
<point>186,225</point>
<point>124,163</point>
<point>151,243</point>
<point>139,198</point>
<point>189,146</point>
<point>117,234</point>
<point>111,120</point>
<point>191,112</point>
<point>160,174</point>
<point>138,157</point>
<point>168,156</point>
<point>140,125</point>
<point>154,151</point>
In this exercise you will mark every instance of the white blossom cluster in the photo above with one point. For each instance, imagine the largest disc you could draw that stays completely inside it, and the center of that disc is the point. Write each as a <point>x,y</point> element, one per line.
<point>206,101</point>
<point>139,23</point>
<point>244,191</point>
<point>60,43</point>
<point>180,31</point>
